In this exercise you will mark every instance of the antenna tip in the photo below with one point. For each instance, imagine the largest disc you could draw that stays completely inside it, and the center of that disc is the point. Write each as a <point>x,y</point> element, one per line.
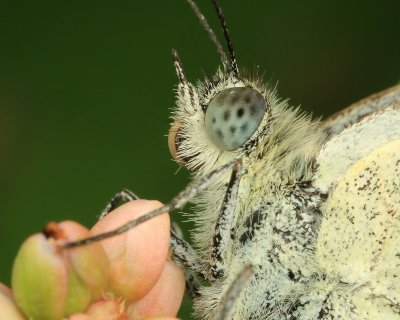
<point>178,67</point>
<point>174,54</point>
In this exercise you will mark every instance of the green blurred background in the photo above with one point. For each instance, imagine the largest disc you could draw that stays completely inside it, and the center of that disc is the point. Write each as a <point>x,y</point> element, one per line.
<point>86,88</point>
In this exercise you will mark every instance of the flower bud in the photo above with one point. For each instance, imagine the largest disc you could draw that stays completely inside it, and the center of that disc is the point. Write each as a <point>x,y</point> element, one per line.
<point>160,318</point>
<point>51,282</point>
<point>80,316</point>
<point>165,297</point>
<point>89,262</point>
<point>108,309</point>
<point>128,251</point>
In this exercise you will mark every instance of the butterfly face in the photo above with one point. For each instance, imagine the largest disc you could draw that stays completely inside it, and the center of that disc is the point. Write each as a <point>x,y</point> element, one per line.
<point>223,118</point>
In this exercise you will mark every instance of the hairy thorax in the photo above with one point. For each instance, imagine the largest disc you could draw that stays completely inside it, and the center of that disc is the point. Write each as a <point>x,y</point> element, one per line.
<point>274,230</point>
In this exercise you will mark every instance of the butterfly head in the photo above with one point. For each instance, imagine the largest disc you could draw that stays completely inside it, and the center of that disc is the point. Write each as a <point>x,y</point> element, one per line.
<point>218,119</point>
<point>234,116</point>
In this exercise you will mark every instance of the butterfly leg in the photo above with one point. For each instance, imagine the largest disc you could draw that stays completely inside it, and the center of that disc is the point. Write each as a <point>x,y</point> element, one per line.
<point>185,256</point>
<point>223,227</point>
<point>124,195</point>
<point>183,253</point>
<point>227,303</point>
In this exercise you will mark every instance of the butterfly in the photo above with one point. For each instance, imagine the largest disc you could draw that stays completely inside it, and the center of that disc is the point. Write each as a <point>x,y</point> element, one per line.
<point>307,224</point>
<point>295,218</point>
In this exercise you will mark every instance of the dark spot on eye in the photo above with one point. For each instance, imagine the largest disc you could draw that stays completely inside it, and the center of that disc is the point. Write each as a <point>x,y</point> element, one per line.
<point>214,120</point>
<point>221,97</point>
<point>220,134</point>
<point>227,115</point>
<point>247,98</point>
<point>291,274</point>
<point>244,127</point>
<point>240,112</point>
<point>234,99</point>
<point>232,129</point>
<point>253,109</point>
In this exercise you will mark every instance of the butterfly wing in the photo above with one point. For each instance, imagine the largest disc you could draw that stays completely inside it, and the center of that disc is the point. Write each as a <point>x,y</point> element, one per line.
<point>353,114</point>
<point>340,153</point>
<point>359,238</point>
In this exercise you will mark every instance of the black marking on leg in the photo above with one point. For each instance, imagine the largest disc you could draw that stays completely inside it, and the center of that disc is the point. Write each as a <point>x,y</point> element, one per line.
<point>124,195</point>
<point>185,255</point>
<point>192,284</point>
<point>223,227</point>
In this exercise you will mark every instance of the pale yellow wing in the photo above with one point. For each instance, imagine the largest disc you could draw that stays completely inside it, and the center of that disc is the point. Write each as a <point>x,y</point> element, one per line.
<point>353,143</point>
<point>355,112</point>
<point>359,241</point>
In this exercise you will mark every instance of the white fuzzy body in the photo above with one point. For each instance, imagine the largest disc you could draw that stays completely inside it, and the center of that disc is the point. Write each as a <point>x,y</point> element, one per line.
<point>290,182</point>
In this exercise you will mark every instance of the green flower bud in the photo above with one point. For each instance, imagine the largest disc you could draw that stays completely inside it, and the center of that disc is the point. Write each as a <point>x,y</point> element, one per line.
<point>51,282</point>
<point>39,279</point>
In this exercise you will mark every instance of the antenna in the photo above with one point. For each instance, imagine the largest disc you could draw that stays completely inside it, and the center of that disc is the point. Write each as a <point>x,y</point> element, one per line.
<point>227,36</point>
<point>179,68</point>
<point>211,33</point>
<point>229,64</point>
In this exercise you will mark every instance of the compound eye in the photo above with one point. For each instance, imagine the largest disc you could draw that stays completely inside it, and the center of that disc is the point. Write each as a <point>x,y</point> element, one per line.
<point>233,115</point>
